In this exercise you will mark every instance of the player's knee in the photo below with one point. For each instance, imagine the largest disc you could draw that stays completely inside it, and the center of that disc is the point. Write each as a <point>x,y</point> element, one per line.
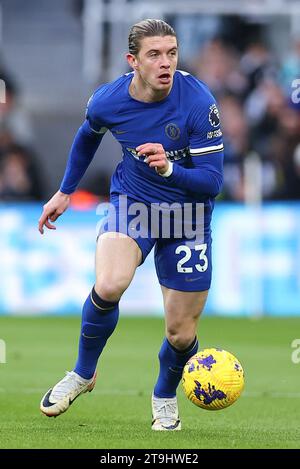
<point>180,340</point>
<point>111,289</point>
<point>179,311</point>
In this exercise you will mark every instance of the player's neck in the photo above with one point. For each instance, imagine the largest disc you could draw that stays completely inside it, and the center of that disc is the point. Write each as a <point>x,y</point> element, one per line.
<point>141,91</point>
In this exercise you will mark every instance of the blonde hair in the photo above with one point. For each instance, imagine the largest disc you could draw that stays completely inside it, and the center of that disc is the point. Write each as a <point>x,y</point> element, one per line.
<point>147,28</point>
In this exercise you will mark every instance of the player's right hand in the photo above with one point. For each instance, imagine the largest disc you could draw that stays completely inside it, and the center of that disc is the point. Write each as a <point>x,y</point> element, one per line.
<point>52,210</point>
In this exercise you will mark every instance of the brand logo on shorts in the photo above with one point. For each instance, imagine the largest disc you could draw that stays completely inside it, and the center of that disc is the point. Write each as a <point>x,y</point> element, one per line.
<point>172,131</point>
<point>190,279</point>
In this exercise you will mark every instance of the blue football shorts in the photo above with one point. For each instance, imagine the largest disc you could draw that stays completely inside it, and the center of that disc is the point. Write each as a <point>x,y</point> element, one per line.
<point>182,263</point>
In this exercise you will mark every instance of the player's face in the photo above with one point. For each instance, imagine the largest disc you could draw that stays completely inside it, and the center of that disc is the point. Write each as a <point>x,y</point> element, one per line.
<point>156,61</point>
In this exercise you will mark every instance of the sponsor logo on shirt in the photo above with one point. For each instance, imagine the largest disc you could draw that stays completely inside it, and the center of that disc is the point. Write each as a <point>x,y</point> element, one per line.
<point>214,134</point>
<point>172,155</point>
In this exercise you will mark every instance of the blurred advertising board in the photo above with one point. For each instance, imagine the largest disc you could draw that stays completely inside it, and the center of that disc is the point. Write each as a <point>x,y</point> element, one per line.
<point>256,263</point>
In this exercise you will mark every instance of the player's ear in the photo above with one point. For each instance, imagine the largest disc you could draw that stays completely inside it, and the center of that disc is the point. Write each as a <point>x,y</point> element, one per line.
<point>131,59</point>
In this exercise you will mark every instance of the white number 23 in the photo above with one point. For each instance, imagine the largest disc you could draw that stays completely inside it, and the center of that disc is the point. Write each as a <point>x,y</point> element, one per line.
<point>201,267</point>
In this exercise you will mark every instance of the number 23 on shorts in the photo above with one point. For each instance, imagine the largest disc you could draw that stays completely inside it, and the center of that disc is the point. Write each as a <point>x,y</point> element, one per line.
<point>200,266</point>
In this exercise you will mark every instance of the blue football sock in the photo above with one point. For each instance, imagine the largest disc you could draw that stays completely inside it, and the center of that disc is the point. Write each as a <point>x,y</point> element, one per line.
<point>99,319</point>
<point>172,362</point>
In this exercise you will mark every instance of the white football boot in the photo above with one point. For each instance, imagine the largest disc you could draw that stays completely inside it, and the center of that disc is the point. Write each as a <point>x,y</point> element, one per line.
<point>58,400</point>
<point>165,414</point>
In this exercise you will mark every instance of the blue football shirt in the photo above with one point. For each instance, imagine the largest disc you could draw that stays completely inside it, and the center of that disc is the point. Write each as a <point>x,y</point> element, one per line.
<point>186,123</point>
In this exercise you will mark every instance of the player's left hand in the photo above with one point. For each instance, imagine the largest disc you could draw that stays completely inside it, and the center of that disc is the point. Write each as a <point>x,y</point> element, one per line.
<point>156,156</point>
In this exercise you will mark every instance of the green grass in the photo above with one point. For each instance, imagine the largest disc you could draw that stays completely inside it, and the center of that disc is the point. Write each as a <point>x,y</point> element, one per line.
<point>117,413</point>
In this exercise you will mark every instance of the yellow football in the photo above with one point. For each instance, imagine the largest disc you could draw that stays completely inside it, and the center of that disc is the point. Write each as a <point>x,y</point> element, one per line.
<point>213,379</point>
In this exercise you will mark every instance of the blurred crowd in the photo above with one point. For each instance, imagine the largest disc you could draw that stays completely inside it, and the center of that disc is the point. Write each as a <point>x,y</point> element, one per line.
<point>20,173</point>
<point>258,115</point>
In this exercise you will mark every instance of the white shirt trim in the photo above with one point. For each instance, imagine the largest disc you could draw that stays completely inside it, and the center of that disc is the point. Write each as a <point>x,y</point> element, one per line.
<point>204,149</point>
<point>183,72</point>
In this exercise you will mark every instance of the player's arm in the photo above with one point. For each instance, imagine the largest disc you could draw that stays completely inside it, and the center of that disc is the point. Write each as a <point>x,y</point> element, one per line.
<point>52,210</point>
<point>84,147</point>
<point>205,176</point>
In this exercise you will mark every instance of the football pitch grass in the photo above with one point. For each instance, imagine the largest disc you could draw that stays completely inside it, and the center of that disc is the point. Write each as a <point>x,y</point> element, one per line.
<point>117,413</point>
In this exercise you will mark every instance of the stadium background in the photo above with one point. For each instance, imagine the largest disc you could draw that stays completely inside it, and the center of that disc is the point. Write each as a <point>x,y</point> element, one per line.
<point>52,56</point>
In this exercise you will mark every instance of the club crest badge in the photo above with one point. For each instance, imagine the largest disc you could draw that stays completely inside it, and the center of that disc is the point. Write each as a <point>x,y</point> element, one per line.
<point>172,131</point>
